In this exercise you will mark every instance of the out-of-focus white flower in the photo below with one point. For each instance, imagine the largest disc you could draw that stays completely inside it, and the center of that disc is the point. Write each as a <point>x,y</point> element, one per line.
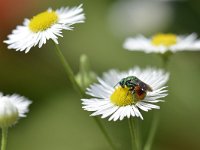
<point>12,107</point>
<point>112,99</point>
<point>162,43</point>
<point>44,26</point>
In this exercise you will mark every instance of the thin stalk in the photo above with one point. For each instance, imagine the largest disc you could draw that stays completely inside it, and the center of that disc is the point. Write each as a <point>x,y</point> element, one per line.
<point>4,138</point>
<point>155,122</point>
<point>156,117</point>
<point>138,134</point>
<point>134,144</point>
<point>105,133</point>
<point>152,132</point>
<point>76,86</point>
<point>165,59</point>
<point>165,64</point>
<point>68,70</point>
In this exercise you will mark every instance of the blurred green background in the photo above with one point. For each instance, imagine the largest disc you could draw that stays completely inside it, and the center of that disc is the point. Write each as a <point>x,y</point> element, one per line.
<point>56,120</point>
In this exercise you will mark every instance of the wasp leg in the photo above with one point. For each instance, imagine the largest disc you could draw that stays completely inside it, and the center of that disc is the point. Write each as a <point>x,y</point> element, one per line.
<point>126,95</point>
<point>133,91</point>
<point>130,90</point>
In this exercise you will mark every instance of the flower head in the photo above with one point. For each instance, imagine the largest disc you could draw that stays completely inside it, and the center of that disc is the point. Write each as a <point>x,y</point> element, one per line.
<point>44,26</point>
<point>123,94</point>
<point>162,43</point>
<point>12,107</point>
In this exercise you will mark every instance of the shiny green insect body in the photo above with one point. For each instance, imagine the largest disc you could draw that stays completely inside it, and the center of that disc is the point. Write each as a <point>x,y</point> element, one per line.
<point>136,86</point>
<point>130,82</point>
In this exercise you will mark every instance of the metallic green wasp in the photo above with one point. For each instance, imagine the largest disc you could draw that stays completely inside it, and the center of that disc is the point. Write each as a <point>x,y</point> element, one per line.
<point>136,86</point>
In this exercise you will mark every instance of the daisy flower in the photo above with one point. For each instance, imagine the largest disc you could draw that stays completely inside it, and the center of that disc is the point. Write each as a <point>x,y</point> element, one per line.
<point>44,26</point>
<point>112,97</point>
<point>162,43</point>
<point>12,107</point>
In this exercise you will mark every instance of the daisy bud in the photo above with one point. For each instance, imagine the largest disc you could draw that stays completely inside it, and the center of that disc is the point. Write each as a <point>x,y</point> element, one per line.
<point>85,76</point>
<point>12,108</point>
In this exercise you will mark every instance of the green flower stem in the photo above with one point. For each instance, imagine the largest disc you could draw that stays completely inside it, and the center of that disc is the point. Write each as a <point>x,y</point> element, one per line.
<point>4,138</point>
<point>165,58</point>
<point>138,134</point>
<point>68,70</point>
<point>105,133</point>
<point>165,64</point>
<point>132,129</point>
<point>152,131</point>
<point>76,86</point>
<point>155,122</point>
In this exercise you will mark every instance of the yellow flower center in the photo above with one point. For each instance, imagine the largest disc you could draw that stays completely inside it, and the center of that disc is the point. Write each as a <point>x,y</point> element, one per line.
<point>43,21</point>
<point>122,97</point>
<point>164,39</point>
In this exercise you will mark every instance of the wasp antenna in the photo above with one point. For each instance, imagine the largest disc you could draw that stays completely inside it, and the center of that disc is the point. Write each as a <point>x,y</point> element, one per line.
<point>116,84</point>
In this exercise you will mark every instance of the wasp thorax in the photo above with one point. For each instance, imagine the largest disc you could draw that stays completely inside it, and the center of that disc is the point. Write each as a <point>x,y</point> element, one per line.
<point>122,96</point>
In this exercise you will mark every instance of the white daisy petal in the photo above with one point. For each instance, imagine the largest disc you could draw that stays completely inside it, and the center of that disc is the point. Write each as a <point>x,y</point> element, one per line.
<point>123,113</point>
<point>103,109</point>
<point>128,111</point>
<point>116,114</point>
<point>114,101</point>
<point>98,90</point>
<point>142,107</point>
<point>111,77</point>
<point>45,26</point>
<point>95,105</point>
<point>109,112</point>
<point>148,106</point>
<point>132,112</point>
<point>137,112</point>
